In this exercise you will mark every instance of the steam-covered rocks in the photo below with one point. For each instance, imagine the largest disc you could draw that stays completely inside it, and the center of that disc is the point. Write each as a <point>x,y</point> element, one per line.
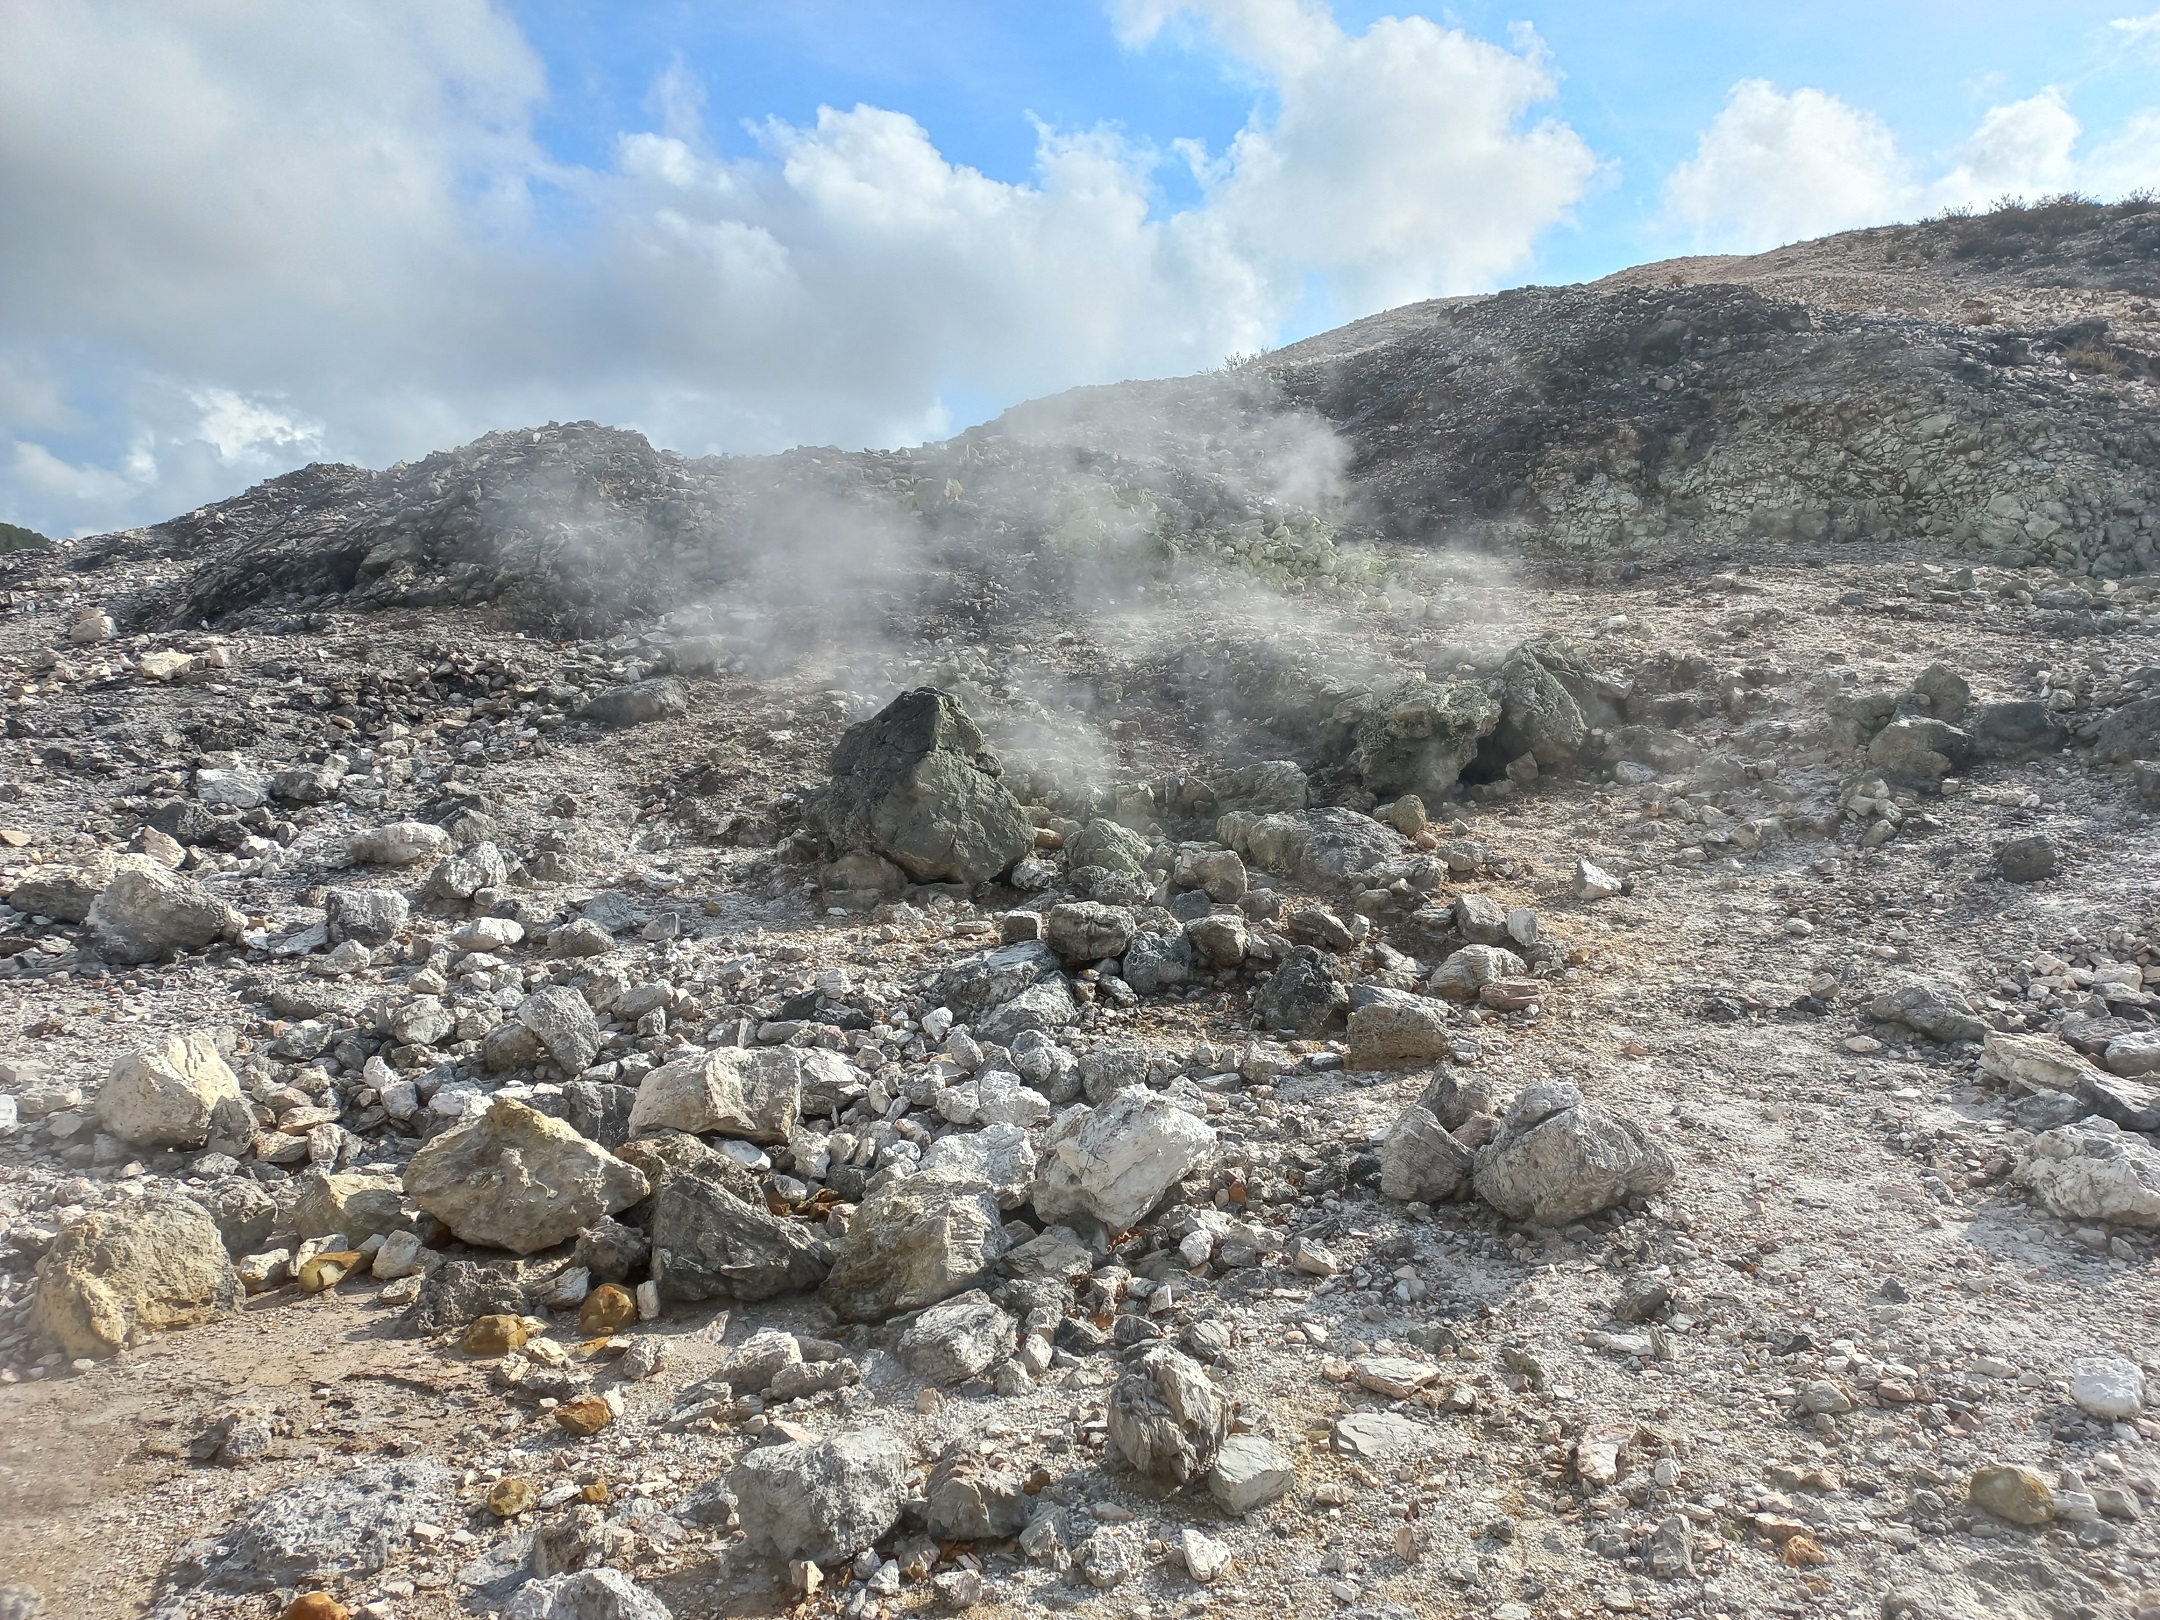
<point>1165,1027</point>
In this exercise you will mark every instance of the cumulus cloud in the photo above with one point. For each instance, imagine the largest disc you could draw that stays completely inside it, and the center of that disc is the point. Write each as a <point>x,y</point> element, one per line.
<point>1777,166</point>
<point>334,232</point>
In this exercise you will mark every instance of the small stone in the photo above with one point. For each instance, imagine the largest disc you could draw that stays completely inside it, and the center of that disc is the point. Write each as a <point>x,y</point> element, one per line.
<point>494,1335</point>
<point>316,1606</point>
<point>608,1309</point>
<point>400,843</point>
<point>1593,882</point>
<point>1166,1419</point>
<point>512,1495</point>
<point>1205,1559</point>
<point>2009,1492</point>
<point>2109,1387</point>
<point>2027,859</point>
<point>588,1414</point>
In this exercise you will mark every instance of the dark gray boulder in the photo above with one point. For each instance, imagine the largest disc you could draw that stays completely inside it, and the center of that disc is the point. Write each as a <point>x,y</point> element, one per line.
<point>916,784</point>
<point>1306,994</point>
<point>1418,737</point>
<point>707,1242</point>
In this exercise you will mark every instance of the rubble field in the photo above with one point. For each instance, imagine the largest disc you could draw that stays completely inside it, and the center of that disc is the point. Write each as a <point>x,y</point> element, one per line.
<point>1172,1047</point>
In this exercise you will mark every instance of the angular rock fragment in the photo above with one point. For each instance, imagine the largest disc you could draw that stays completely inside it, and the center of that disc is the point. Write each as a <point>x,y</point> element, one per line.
<point>168,1097</point>
<point>1559,1159</point>
<point>754,1093</point>
<point>585,1594</point>
<point>512,1178</point>
<point>2093,1170</point>
<point>824,1500</point>
<point>912,1243</point>
<point>1167,1420</point>
<point>1115,1163</point>
<point>1306,994</point>
<point>1420,1162</point>
<point>1249,1472</point>
<point>956,1339</point>
<point>708,1243</point>
<point>399,843</point>
<point>146,913</point>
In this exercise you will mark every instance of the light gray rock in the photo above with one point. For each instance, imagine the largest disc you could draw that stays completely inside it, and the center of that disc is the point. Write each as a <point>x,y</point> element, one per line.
<point>563,1022</point>
<point>913,1242</point>
<point>957,1339</point>
<point>1115,1163</point>
<point>2134,1056</point>
<point>116,1275</point>
<point>1085,931</point>
<point>1000,1157</point>
<point>339,1524</point>
<point>750,1092</point>
<point>585,1594</point>
<point>1205,1559</point>
<point>166,1097</point>
<point>2111,1388</point>
<point>1394,1035</point>
<point>1167,1419</point>
<point>975,985</point>
<point>824,1501</point>
<point>1467,971</point>
<point>2094,1170</point>
<point>1558,1159</point>
<point>398,843</point>
<point>371,916</point>
<point>148,912</point>
<point>1249,1472</point>
<point>1937,1011</point>
<point>1420,1162</point>
<point>1593,882</point>
<point>512,1178</point>
<point>360,1205</point>
<point>1044,1008</point>
<point>969,1498</point>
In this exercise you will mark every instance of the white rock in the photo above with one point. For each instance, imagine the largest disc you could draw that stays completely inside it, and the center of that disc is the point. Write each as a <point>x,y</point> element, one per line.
<point>488,934</point>
<point>2094,1170</point>
<point>751,1092</point>
<point>2037,1062</point>
<point>586,1594</point>
<point>148,911</point>
<point>165,1097</point>
<point>515,1179</point>
<point>401,1254</point>
<point>2110,1387</point>
<point>1205,1559</point>
<point>399,843</point>
<point>1593,882</point>
<point>1115,1163</point>
<point>824,1501</point>
<point>1559,1159</point>
<point>1000,1156</point>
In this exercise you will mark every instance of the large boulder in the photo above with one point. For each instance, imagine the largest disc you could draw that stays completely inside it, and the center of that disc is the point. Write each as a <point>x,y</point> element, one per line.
<point>957,1339</point>
<point>1087,931</point>
<point>167,1097</point>
<point>825,1500</point>
<point>637,704</point>
<point>512,1178</point>
<point>1418,737</point>
<point>1397,1034</point>
<point>398,843</point>
<point>63,893</point>
<point>147,912</point>
<point>750,1092</point>
<point>1167,1420</point>
<point>1040,1009</point>
<point>1105,844</point>
<point>708,1242</point>
<point>371,916</point>
<point>917,784</point>
<point>116,1275</point>
<point>1538,716</point>
<point>2094,1170</point>
<point>2018,729</point>
<point>1559,1159</point>
<point>1917,748</point>
<point>2129,732</point>
<point>913,1242</point>
<point>1117,1162</point>
<point>360,1205</point>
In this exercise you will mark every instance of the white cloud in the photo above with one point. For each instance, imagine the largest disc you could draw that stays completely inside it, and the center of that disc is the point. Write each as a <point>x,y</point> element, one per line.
<point>333,231</point>
<point>1777,166</point>
<point>2139,32</point>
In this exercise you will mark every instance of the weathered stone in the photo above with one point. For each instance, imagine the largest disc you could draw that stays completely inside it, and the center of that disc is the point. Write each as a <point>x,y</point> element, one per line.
<point>2093,1170</point>
<point>2018,729</point>
<point>1918,748</point>
<point>637,704</point>
<point>2028,859</point>
<point>1306,993</point>
<point>914,1242</point>
<point>337,1525</point>
<point>976,985</point>
<point>917,784</point>
<point>511,1178</point>
<point>1393,1035</point>
<point>147,912</point>
<point>166,1097</point>
<point>1935,1010</point>
<point>2111,1388</point>
<point>1000,1156</point>
<point>1115,1163</point>
<point>1468,971</point>
<point>750,1092</point>
<point>825,1500</point>
<point>116,1275</point>
<point>970,1499</point>
<point>956,1339</point>
<point>1249,1472</point>
<point>359,1205</point>
<point>1084,931</point>
<point>611,1251</point>
<point>585,1594</point>
<point>1538,716</point>
<point>1041,1008</point>
<point>563,1022</point>
<point>1559,1159</point>
<point>1420,1162</point>
<point>399,843</point>
<point>2009,1492</point>
<point>1418,737</point>
<point>459,1292</point>
<point>371,916</point>
<point>707,1242</point>
<point>1105,844</point>
<point>1167,1420</point>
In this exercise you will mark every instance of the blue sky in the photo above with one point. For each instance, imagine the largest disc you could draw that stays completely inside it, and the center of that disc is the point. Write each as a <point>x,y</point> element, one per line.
<point>369,228</point>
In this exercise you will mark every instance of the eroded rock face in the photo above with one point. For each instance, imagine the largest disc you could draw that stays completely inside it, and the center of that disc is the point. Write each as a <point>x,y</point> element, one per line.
<point>917,784</point>
<point>342,1525</point>
<point>1558,1159</point>
<point>1420,1161</point>
<point>1418,738</point>
<point>751,1093</point>
<point>117,1275</point>
<point>823,1501</point>
<point>512,1178</point>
